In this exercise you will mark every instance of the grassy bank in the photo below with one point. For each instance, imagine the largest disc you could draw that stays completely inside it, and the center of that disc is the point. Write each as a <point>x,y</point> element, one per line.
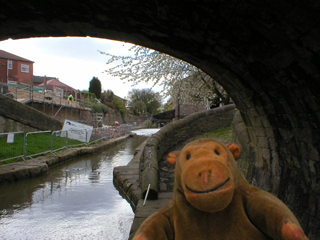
<point>35,144</point>
<point>222,134</point>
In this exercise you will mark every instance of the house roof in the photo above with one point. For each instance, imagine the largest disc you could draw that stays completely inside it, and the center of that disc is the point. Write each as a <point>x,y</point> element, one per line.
<point>123,99</point>
<point>55,82</point>
<point>40,79</point>
<point>7,55</point>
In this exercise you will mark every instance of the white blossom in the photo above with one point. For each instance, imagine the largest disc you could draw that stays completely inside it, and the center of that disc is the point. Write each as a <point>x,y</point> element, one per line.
<point>177,77</point>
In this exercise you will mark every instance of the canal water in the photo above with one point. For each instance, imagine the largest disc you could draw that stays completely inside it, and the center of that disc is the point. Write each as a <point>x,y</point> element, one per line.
<point>75,200</point>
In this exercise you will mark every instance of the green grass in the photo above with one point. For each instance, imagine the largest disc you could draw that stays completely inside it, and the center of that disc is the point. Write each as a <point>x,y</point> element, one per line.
<point>36,143</point>
<point>9,150</point>
<point>222,133</point>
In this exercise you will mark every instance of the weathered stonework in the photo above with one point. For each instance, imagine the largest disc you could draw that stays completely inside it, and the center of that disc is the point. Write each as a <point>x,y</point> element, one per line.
<point>82,115</point>
<point>9,125</point>
<point>15,117</point>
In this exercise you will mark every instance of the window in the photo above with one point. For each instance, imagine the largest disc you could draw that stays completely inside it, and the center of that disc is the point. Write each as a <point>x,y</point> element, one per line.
<point>24,68</point>
<point>9,64</point>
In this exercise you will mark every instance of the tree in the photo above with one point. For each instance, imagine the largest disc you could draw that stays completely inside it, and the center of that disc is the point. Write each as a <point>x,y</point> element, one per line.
<point>168,105</point>
<point>95,87</point>
<point>144,101</point>
<point>119,105</point>
<point>107,98</point>
<point>138,107</point>
<point>88,96</point>
<point>112,101</point>
<point>177,77</point>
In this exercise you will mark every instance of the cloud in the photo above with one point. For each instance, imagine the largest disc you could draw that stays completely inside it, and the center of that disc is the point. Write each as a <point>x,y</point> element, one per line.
<point>74,60</point>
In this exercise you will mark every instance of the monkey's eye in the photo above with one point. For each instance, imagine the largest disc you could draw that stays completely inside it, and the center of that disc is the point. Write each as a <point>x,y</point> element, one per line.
<point>188,156</point>
<point>217,152</point>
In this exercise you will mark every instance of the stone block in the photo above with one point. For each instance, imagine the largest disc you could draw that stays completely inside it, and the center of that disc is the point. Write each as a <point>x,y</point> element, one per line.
<point>165,195</point>
<point>262,142</point>
<point>38,170</point>
<point>134,193</point>
<point>124,170</point>
<point>163,187</point>
<point>266,156</point>
<point>7,177</point>
<point>135,225</point>
<point>21,173</point>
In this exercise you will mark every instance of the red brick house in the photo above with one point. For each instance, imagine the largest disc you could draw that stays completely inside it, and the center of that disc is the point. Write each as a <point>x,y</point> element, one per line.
<point>15,68</point>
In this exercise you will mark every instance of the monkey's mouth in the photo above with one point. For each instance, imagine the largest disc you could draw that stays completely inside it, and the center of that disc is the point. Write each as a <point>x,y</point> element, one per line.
<point>208,191</point>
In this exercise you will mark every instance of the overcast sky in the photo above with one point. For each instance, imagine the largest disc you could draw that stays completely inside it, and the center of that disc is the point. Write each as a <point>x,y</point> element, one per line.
<point>75,61</point>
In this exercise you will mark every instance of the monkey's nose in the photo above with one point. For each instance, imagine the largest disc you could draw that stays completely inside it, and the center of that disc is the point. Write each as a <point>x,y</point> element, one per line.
<point>205,177</point>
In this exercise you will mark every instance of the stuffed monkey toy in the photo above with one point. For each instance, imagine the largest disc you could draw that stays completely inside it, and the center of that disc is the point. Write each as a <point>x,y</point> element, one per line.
<point>213,200</point>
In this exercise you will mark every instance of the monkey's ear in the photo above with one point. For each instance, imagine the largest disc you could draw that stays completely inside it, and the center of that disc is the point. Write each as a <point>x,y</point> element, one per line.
<point>235,149</point>
<point>172,157</point>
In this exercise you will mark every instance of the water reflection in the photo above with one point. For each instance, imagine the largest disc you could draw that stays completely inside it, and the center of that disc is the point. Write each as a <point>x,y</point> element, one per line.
<point>76,200</point>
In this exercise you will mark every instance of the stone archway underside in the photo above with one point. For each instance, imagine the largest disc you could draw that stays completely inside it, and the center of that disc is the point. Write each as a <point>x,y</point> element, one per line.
<point>265,54</point>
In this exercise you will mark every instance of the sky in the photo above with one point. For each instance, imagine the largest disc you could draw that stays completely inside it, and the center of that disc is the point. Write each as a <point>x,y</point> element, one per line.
<point>73,60</point>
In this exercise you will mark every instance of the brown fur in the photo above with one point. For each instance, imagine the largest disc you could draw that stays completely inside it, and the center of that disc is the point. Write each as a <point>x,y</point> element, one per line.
<point>213,200</point>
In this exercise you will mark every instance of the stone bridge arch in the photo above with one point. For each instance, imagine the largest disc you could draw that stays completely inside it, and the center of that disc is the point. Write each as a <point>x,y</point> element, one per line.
<point>264,53</point>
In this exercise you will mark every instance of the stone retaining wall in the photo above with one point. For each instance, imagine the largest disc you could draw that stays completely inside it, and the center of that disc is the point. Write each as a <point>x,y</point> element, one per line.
<point>62,112</point>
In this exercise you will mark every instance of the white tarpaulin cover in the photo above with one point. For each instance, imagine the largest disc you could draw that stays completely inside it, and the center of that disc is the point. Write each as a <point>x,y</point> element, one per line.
<point>77,131</point>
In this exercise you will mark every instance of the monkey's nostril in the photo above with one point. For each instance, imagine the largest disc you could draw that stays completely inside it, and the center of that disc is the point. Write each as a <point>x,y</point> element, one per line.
<point>200,174</point>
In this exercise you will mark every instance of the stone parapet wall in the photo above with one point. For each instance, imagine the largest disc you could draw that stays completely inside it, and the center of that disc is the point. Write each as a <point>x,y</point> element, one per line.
<point>8,125</point>
<point>171,135</point>
<point>25,115</point>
